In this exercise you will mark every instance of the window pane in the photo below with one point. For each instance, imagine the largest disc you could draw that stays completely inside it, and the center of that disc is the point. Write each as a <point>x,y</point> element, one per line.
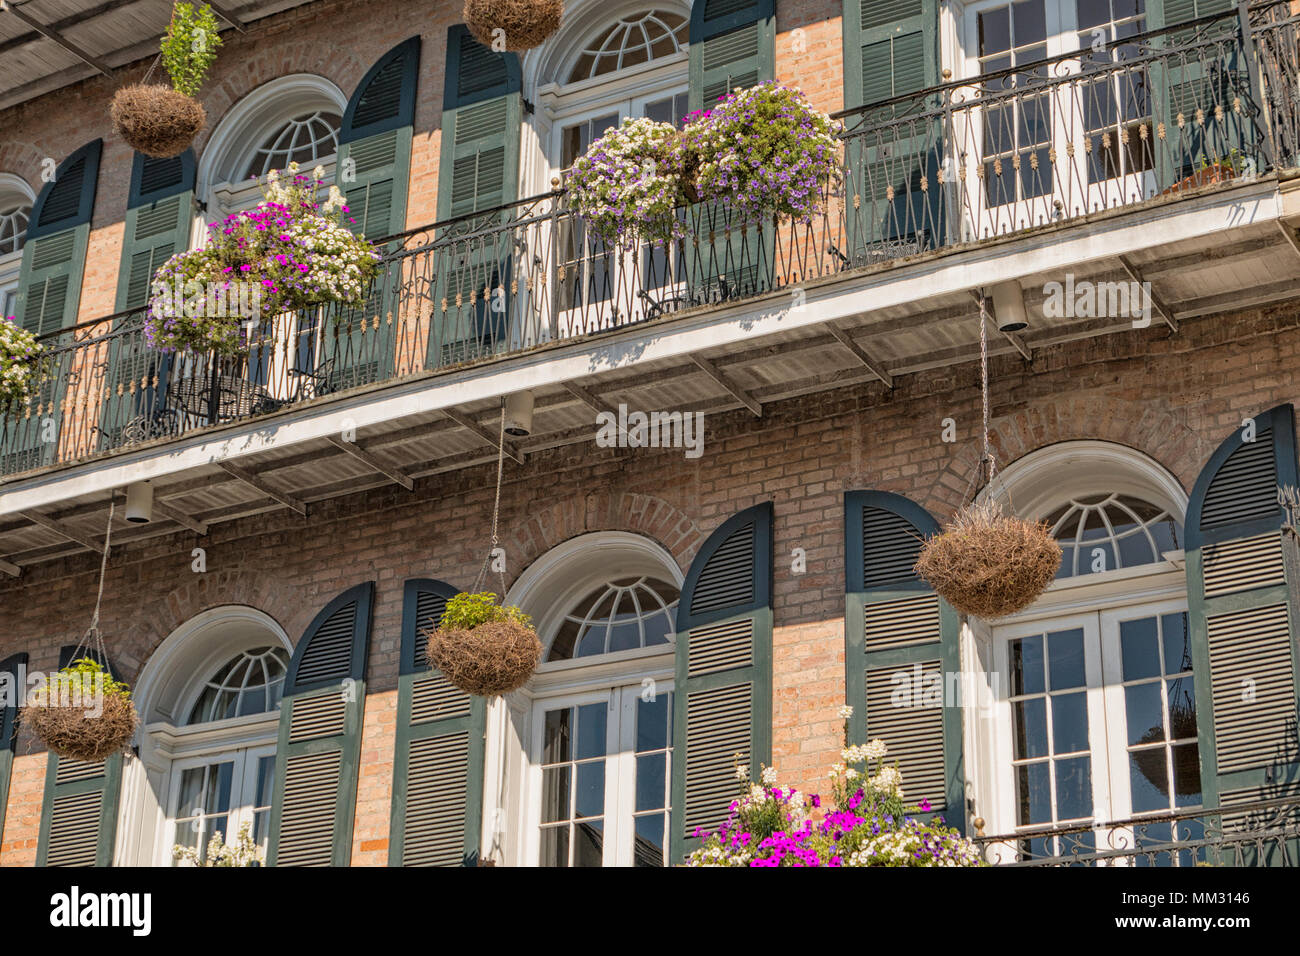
<point>588,843</point>
<point>555,794</point>
<point>649,840</point>
<point>1035,786</point>
<point>1030,22</point>
<point>555,846</point>
<point>591,731</point>
<point>1065,659</point>
<point>556,736</point>
<point>1146,723</point>
<point>1149,779</point>
<point>1177,641</point>
<point>652,723</point>
<point>1070,723</point>
<point>1031,727</point>
<point>1073,788</point>
<point>1182,708</point>
<point>650,781</point>
<point>591,789</point>
<point>1187,775</point>
<point>1027,666</point>
<point>1137,642</point>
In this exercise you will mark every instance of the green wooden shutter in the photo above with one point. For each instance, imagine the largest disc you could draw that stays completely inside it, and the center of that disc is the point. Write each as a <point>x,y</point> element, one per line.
<point>79,812</point>
<point>482,113</point>
<point>1243,577</point>
<point>49,291</point>
<point>159,213</point>
<point>374,172</point>
<point>13,671</point>
<point>438,765</point>
<point>891,49</point>
<point>723,700</point>
<point>895,624</point>
<point>732,45</point>
<point>316,771</point>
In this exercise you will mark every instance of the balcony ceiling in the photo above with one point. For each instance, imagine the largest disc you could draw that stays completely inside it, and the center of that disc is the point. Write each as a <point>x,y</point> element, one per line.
<point>48,44</point>
<point>442,423</point>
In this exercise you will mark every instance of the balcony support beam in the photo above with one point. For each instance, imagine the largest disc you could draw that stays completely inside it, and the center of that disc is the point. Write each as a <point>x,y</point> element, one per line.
<point>370,461</point>
<point>464,421</point>
<point>1289,235</point>
<point>1156,303</point>
<point>180,517</point>
<point>589,398</point>
<point>872,366</point>
<point>221,10</point>
<point>991,317</point>
<point>250,479</point>
<point>727,385</point>
<point>11,569</point>
<point>59,528</point>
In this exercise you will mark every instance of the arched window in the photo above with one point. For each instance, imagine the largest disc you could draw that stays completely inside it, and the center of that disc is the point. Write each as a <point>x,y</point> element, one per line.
<point>1096,716</point>
<point>16,199</point>
<point>209,699</point>
<point>599,747</point>
<point>1102,532</point>
<point>631,41</point>
<point>292,118</point>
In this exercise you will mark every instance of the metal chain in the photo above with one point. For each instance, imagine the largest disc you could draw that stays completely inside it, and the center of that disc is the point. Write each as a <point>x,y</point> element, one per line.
<point>987,460</point>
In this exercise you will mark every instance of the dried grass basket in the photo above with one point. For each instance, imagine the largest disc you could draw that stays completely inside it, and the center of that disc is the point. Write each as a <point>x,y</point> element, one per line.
<point>70,732</point>
<point>989,564</point>
<point>492,658</point>
<point>156,120</point>
<point>523,23</point>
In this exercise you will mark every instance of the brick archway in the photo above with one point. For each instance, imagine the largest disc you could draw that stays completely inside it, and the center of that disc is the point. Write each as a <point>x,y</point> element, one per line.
<point>1150,428</point>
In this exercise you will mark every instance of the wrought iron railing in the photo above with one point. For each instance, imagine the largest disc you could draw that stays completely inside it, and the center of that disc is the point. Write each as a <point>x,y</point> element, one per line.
<point>1150,116</point>
<point>1259,833</point>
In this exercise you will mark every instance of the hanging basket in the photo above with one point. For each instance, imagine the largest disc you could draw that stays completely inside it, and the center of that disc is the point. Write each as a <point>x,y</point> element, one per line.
<point>156,120</point>
<point>989,564</point>
<point>493,658</point>
<point>79,716</point>
<point>523,23</point>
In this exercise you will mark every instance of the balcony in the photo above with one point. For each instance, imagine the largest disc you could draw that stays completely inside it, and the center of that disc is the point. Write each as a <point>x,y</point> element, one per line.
<point>1169,159</point>
<point>1263,832</point>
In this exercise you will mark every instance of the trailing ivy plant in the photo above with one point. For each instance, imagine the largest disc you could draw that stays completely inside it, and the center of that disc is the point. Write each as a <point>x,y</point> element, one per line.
<point>189,46</point>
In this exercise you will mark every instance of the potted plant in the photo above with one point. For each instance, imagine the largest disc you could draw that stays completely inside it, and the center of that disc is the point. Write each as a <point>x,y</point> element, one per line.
<point>763,152</point>
<point>1210,173</point>
<point>482,647</point>
<point>512,25</point>
<point>82,712</point>
<point>19,353</point>
<point>159,120</point>
<point>989,564</point>
<point>866,824</point>
<point>629,183</point>
<point>291,252</point>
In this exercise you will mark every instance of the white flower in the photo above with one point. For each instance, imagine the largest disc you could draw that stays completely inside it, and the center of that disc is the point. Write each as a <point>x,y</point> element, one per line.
<point>318,173</point>
<point>769,776</point>
<point>742,772</point>
<point>875,750</point>
<point>846,712</point>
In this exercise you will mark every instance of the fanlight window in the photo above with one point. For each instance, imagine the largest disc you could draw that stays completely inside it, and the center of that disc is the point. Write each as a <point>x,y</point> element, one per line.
<point>1108,531</point>
<point>13,228</point>
<point>251,683</point>
<point>632,41</point>
<point>305,139</point>
<point>618,616</point>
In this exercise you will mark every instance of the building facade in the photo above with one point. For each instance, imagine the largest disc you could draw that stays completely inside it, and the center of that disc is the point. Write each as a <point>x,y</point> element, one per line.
<point>1117,182</point>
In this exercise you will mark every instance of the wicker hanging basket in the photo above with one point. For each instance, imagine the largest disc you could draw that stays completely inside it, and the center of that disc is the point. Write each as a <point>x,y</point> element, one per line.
<point>156,120</point>
<point>989,564</point>
<point>72,731</point>
<point>493,658</point>
<point>523,24</point>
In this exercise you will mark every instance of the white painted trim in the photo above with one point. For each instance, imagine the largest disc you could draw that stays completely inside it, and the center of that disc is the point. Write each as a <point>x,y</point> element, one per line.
<point>741,324</point>
<point>1047,478</point>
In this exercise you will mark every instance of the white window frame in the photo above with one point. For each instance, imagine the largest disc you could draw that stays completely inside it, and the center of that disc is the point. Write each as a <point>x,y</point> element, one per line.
<point>13,188</point>
<point>1075,198</point>
<point>243,790</point>
<point>619,816</point>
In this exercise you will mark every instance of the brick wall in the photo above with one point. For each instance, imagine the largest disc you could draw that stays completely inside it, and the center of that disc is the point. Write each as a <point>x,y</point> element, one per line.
<point>1173,397</point>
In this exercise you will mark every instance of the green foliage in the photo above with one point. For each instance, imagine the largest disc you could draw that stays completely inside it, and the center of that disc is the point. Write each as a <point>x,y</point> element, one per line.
<point>189,46</point>
<point>81,676</point>
<point>468,610</point>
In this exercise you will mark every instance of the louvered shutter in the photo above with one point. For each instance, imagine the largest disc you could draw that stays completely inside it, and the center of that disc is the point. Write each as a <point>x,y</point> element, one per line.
<point>891,49</point>
<point>732,46</point>
<point>899,635</point>
<point>481,118</point>
<point>374,172</point>
<point>438,765</point>
<point>13,671</point>
<point>723,704</point>
<point>1242,586</point>
<point>159,212</point>
<point>79,812</point>
<point>315,798</point>
<point>49,291</point>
